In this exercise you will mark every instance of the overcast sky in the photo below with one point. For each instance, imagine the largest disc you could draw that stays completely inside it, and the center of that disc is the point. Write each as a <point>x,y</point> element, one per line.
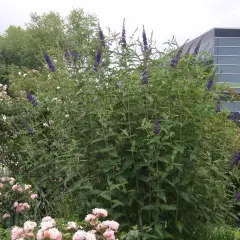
<point>181,18</point>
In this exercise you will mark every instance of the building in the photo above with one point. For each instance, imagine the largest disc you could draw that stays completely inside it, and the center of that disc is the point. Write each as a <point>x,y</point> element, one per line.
<point>223,45</point>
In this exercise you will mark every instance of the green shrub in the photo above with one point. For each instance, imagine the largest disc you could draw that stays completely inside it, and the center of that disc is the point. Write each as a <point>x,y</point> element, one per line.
<point>224,233</point>
<point>5,234</point>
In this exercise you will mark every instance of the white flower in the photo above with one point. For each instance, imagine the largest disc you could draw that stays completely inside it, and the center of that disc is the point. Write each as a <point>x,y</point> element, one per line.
<point>45,124</point>
<point>66,115</point>
<point>90,236</point>
<point>100,212</point>
<point>55,60</point>
<point>47,225</point>
<point>58,87</point>
<point>24,75</point>
<point>54,233</point>
<point>4,117</point>
<point>72,225</point>
<point>20,74</point>
<point>29,226</point>
<point>79,235</point>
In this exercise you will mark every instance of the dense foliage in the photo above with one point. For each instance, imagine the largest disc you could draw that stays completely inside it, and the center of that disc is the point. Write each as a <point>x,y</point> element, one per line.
<point>137,136</point>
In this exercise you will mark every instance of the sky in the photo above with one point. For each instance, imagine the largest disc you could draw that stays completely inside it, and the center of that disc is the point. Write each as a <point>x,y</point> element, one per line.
<point>184,19</point>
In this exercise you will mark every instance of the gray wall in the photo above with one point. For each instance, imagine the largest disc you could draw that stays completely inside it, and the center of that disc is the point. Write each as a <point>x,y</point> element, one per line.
<point>227,59</point>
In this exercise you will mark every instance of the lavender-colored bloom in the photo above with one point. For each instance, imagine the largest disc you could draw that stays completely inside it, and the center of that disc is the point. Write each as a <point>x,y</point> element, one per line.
<point>218,107</point>
<point>67,57</point>
<point>188,50</point>
<point>237,197</point>
<point>144,76</point>
<point>32,99</point>
<point>145,43</point>
<point>75,55</point>
<point>49,62</point>
<point>98,59</point>
<point>174,61</point>
<point>236,159</point>
<point>196,50</point>
<point>101,36</point>
<point>156,126</point>
<point>210,83</point>
<point>123,40</point>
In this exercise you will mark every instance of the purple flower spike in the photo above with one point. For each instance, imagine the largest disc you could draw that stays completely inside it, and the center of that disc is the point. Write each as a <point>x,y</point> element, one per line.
<point>145,43</point>
<point>49,62</point>
<point>196,50</point>
<point>236,159</point>
<point>175,60</point>
<point>98,59</point>
<point>75,55</point>
<point>32,99</point>
<point>67,57</point>
<point>210,83</point>
<point>123,40</point>
<point>156,127</point>
<point>144,76</point>
<point>101,36</point>
<point>237,197</point>
<point>188,50</point>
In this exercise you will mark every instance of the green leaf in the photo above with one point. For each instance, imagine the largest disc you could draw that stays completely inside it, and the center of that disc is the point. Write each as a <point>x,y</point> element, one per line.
<point>106,195</point>
<point>127,164</point>
<point>159,229</point>
<point>179,226</point>
<point>166,207</point>
<point>149,207</point>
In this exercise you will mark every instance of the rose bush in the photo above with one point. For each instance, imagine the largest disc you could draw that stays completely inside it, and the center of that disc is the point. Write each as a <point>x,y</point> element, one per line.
<point>89,230</point>
<point>15,200</point>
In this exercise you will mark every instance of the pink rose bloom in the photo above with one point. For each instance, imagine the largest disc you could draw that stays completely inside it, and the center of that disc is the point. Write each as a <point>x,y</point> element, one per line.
<point>92,219</point>
<point>6,215</point>
<point>26,205</point>
<point>47,222</point>
<point>19,189</point>
<point>112,225</point>
<point>33,196</point>
<point>1,185</point>
<point>53,234</point>
<point>100,212</point>
<point>47,219</point>
<point>72,225</point>
<point>15,204</point>
<point>40,235</point>
<point>27,187</point>
<point>11,180</point>
<point>109,234</point>
<point>79,235</point>
<point>3,179</point>
<point>29,226</point>
<point>46,225</point>
<point>17,233</point>
<point>90,236</point>
<point>14,187</point>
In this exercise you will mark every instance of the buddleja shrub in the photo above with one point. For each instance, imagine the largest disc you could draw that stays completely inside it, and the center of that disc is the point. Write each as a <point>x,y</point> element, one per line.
<point>143,137</point>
